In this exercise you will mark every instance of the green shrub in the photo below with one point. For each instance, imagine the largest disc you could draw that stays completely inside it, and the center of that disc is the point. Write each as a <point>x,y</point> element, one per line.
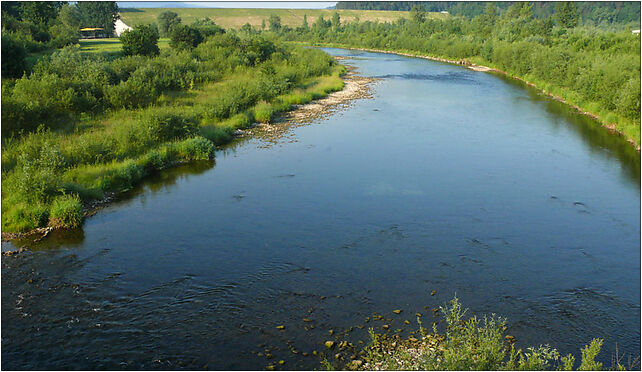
<point>66,211</point>
<point>216,134</point>
<point>184,37</point>
<point>156,160</point>
<point>588,356</point>
<point>263,112</point>
<point>63,35</point>
<point>207,27</point>
<point>136,92</point>
<point>197,148</point>
<point>142,40</point>
<point>13,56</point>
<point>164,126</point>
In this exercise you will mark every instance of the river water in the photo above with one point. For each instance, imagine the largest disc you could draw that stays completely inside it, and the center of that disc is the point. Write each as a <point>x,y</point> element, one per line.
<point>447,180</point>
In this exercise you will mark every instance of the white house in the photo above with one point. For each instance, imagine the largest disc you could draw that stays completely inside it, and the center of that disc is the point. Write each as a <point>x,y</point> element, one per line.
<point>120,27</point>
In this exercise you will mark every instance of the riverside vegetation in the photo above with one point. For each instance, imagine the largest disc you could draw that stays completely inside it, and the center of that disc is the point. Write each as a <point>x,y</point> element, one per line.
<point>81,124</point>
<point>594,68</point>
<point>468,343</point>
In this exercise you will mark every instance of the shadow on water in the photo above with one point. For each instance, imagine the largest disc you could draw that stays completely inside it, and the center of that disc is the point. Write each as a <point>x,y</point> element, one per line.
<point>161,181</point>
<point>599,139</point>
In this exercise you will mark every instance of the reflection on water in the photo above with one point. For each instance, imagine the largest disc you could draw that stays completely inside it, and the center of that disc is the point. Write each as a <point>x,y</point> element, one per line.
<point>449,180</point>
<point>597,138</point>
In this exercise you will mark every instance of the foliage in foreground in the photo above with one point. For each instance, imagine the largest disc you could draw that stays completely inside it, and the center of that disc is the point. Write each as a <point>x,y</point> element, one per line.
<point>468,344</point>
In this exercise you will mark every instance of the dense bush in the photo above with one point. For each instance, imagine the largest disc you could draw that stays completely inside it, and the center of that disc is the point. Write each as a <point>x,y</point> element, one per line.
<point>207,27</point>
<point>13,56</point>
<point>142,40</point>
<point>63,35</point>
<point>185,37</point>
<point>66,211</point>
<point>164,126</point>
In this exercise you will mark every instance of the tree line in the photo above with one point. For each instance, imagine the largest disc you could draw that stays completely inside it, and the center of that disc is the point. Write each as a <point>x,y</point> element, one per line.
<point>590,13</point>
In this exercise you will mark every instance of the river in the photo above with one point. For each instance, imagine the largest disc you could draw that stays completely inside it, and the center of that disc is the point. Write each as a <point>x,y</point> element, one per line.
<point>447,180</point>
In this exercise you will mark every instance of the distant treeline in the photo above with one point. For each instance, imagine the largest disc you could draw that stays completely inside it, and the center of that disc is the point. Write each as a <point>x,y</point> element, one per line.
<point>592,13</point>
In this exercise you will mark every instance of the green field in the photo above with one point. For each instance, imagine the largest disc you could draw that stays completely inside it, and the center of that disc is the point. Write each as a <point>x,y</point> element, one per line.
<point>112,45</point>
<point>235,18</point>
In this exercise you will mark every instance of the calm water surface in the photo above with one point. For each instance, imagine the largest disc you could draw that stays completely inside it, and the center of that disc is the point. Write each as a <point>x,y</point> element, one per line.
<point>448,180</point>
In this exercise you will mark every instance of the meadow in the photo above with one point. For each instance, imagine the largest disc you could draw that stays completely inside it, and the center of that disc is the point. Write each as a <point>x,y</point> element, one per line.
<point>235,18</point>
<point>112,45</point>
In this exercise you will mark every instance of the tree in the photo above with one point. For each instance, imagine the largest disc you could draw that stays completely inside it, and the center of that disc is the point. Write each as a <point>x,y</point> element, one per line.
<point>207,27</point>
<point>417,14</point>
<point>305,22</point>
<point>13,57</point>
<point>142,40</point>
<point>99,14</point>
<point>247,28</point>
<point>184,37</point>
<point>321,24</point>
<point>63,35</point>
<point>166,22</point>
<point>70,16</point>
<point>336,20</point>
<point>566,14</point>
<point>40,13</point>
<point>275,23</point>
<point>491,12</point>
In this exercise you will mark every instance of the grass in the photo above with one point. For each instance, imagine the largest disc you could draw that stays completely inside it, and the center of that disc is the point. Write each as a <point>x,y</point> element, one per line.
<point>468,344</point>
<point>235,18</point>
<point>112,45</point>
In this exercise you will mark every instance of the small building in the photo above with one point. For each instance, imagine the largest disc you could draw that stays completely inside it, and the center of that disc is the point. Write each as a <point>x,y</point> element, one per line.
<point>120,27</point>
<point>444,12</point>
<point>636,32</point>
<point>92,33</point>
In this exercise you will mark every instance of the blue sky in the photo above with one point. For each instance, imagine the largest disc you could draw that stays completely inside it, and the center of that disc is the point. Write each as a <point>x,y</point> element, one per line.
<point>228,4</point>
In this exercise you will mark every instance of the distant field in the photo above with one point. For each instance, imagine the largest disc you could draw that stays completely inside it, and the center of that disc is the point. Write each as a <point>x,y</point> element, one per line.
<point>112,45</point>
<point>235,18</point>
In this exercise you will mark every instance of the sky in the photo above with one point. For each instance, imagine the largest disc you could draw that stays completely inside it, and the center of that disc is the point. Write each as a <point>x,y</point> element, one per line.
<point>228,4</point>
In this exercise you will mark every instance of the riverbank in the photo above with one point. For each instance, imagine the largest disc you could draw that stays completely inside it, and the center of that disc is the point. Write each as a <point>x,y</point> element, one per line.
<point>610,126</point>
<point>320,97</point>
<point>355,87</point>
